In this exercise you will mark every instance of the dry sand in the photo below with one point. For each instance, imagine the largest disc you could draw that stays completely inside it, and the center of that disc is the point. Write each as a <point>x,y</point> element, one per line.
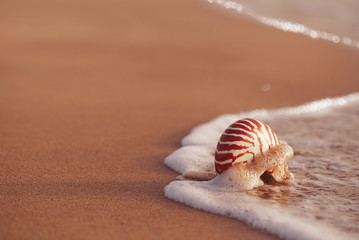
<point>95,94</point>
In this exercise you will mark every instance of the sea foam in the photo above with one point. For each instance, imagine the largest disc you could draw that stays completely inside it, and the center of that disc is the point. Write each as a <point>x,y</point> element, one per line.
<point>321,202</point>
<point>333,20</point>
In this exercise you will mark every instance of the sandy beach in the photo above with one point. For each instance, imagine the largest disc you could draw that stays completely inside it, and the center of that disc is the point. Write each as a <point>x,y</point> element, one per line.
<point>95,94</point>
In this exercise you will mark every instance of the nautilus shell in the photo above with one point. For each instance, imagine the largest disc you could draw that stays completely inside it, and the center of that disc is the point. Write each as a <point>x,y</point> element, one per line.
<point>242,141</point>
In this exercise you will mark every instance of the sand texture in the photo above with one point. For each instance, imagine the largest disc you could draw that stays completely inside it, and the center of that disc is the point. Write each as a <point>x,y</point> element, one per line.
<point>95,94</point>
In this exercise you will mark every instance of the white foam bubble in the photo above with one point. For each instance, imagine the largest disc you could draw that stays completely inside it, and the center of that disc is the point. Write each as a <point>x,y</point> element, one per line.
<point>203,196</point>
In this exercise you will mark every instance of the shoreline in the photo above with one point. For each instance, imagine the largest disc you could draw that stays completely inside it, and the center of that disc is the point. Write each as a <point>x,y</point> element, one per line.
<point>94,96</point>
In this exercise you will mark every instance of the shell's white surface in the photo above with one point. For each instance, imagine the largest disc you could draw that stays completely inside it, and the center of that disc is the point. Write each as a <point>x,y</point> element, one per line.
<point>325,137</point>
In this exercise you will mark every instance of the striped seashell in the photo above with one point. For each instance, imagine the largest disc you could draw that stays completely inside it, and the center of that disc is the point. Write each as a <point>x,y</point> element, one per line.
<point>241,141</point>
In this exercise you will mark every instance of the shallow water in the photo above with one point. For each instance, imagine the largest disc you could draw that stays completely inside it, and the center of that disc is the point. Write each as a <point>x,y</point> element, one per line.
<point>321,202</point>
<point>332,20</point>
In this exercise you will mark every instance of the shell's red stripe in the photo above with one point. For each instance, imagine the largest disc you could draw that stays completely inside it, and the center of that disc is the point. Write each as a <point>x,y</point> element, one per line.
<point>259,141</point>
<point>237,163</point>
<point>221,168</point>
<point>228,147</point>
<point>260,144</point>
<point>241,154</point>
<point>272,141</point>
<point>273,137</point>
<point>250,126</point>
<point>256,122</point>
<point>259,127</point>
<point>220,157</point>
<point>234,131</point>
<point>240,126</point>
<point>231,138</point>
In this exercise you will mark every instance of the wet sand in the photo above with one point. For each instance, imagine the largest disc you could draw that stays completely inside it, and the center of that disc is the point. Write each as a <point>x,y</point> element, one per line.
<point>95,94</point>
